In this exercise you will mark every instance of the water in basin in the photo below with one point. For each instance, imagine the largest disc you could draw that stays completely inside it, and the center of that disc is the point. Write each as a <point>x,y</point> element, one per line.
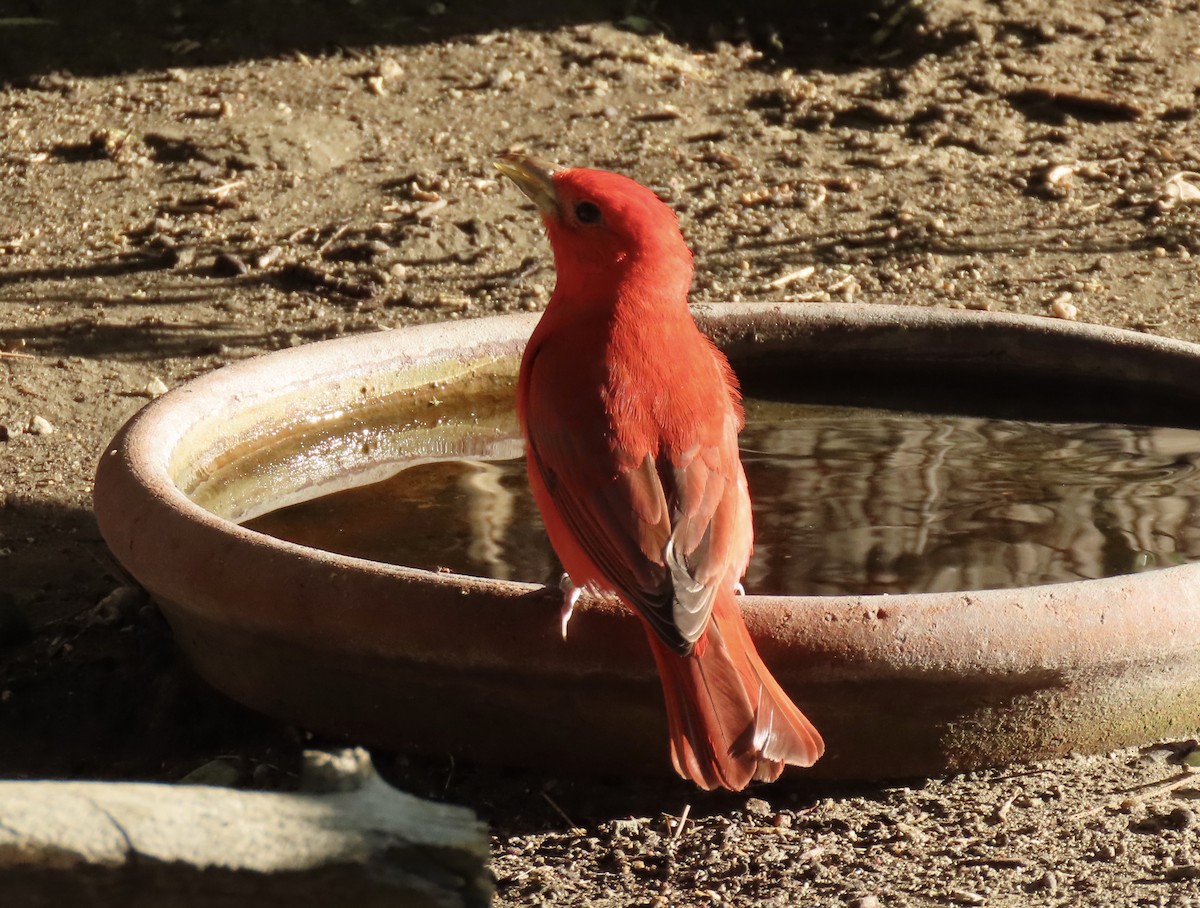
<point>848,498</point>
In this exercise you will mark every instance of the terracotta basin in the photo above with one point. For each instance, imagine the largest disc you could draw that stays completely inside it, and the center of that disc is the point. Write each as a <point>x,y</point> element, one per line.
<point>899,684</point>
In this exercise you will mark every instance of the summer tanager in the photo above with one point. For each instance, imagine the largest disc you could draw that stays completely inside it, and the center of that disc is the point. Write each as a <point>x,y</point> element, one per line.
<point>631,418</point>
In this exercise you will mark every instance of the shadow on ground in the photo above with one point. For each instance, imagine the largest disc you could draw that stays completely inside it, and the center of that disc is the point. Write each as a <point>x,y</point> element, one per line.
<point>41,38</point>
<point>106,695</point>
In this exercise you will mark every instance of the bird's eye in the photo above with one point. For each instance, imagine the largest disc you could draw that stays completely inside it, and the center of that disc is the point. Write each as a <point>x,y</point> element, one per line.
<point>587,213</point>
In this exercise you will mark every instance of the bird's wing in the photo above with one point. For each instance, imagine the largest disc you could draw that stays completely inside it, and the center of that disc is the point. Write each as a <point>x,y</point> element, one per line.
<point>664,532</point>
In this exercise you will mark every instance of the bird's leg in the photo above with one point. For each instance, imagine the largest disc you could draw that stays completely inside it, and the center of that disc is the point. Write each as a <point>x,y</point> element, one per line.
<point>571,594</point>
<point>739,590</point>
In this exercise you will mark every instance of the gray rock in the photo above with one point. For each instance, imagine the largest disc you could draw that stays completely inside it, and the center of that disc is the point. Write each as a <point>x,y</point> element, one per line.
<point>139,845</point>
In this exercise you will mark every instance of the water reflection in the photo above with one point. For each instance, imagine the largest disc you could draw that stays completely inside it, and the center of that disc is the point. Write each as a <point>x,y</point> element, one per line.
<point>847,500</point>
<point>882,502</point>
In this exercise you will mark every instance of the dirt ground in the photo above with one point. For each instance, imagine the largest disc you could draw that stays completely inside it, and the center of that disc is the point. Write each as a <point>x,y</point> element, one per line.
<point>209,181</point>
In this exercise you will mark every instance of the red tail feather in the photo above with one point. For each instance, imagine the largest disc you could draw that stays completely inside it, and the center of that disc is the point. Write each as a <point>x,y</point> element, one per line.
<point>730,721</point>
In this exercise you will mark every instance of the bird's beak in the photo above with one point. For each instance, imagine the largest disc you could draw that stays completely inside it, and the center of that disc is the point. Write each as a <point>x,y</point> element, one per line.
<point>534,178</point>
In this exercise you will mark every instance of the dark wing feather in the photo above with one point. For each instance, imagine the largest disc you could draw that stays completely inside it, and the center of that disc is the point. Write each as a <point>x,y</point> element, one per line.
<point>710,543</point>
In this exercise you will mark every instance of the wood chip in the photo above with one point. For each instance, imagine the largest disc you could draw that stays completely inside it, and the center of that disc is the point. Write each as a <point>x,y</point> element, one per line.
<point>801,274</point>
<point>659,115</point>
<point>426,212</point>
<point>966,897</point>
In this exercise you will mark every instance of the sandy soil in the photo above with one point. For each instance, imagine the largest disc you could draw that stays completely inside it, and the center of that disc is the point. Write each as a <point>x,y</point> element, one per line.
<point>217,180</point>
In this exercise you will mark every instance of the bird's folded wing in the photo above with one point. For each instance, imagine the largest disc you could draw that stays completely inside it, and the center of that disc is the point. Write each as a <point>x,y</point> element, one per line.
<point>662,532</point>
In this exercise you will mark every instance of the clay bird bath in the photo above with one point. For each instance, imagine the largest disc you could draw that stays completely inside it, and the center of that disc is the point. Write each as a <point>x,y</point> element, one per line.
<point>903,684</point>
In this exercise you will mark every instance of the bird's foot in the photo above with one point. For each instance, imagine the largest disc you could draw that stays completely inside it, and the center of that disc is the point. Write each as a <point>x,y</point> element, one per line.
<point>571,594</point>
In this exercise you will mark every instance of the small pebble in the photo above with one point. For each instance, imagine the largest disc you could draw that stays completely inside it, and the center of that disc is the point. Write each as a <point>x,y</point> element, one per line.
<point>156,387</point>
<point>1179,819</point>
<point>1049,882</point>
<point>388,68</point>
<point>1060,308</point>
<point>268,258</point>
<point>118,606</point>
<point>757,807</point>
<point>226,264</point>
<point>910,833</point>
<point>39,425</point>
<point>626,827</point>
<point>865,901</point>
<point>330,771</point>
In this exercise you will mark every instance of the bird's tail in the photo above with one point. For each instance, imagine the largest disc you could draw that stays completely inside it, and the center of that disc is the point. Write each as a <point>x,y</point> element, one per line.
<point>730,721</point>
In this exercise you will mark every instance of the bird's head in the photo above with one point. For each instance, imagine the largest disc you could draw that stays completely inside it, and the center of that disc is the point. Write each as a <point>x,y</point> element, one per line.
<point>602,225</point>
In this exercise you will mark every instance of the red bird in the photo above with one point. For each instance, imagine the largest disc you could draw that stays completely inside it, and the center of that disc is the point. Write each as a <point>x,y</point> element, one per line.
<point>631,418</point>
